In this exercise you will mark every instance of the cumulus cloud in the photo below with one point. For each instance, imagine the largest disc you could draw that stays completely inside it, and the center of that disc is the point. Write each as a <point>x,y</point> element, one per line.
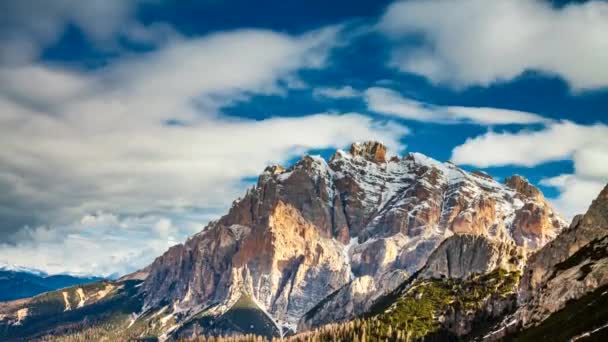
<point>576,192</point>
<point>389,102</point>
<point>586,146</point>
<point>558,141</point>
<point>478,42</point>
<point>336,93</point>
<point>145,139</point>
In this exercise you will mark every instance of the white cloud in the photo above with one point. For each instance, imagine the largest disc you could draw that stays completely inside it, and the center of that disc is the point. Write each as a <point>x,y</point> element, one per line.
<point>558,141</point>
<point>576,193</point>
<point>387,101</point>
<point>586,146</point>
<point>592,161</point>
<point>479,42</point>
<point>98,244</point>
<point>99,141</point>
<point>337,93</point>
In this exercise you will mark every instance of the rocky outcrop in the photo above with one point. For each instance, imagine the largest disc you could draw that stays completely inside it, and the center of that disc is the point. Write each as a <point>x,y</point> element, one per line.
<point>523,187</point>
<point>369,150</point>
<point>460,256</point>
<point>534,223</point>
<point>352,300</point>
<point>463,255</point>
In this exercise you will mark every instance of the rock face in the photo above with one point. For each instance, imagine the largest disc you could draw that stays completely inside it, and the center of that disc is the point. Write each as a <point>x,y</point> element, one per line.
<point>352,228</point>
<point>463,255</point>
<point>572,265</point>
<point>370,150</point>
<point>352,300</point>
<point>457,257</point>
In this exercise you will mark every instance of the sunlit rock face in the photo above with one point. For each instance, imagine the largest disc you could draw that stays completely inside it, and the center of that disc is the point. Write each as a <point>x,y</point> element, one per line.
<point>354,226</point>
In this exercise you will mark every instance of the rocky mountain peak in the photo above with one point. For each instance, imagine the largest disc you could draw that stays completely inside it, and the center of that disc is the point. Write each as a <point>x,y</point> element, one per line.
<point>319,241</point>
<point>274,169</point>
<point>370,150</point>
<point>523,186</point>
<point>351,227</point>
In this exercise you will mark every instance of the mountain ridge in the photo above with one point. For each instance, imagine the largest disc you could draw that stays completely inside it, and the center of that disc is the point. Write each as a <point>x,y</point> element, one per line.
<point>20,282</point>
<point>304,232</point>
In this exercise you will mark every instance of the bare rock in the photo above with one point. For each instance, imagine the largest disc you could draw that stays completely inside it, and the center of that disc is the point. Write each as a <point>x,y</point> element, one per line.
<point>462,255</point>
<point>370,150</point>
<point>573,264</point>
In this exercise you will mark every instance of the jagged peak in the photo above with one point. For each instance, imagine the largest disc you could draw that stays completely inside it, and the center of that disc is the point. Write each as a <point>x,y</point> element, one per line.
<point>373,151</point>
<point>522,186</point>
<point>274,169</point>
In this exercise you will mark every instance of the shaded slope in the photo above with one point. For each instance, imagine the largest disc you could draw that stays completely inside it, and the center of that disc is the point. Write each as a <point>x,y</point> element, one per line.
<point>584,319</point>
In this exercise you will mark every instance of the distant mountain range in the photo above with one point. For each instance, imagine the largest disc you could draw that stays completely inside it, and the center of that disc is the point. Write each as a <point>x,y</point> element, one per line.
<point>360,247</point>
<point>16,283</point>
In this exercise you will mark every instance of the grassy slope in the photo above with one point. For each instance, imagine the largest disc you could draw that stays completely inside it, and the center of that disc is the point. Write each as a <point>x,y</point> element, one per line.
<point>244,317</point>
<point>418,310</point>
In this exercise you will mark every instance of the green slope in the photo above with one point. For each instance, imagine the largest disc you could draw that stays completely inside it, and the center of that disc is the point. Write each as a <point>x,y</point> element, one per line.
<point>244,317</point>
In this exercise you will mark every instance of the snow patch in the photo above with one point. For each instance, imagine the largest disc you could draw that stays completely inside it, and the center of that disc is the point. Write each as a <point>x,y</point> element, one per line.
<point>354,241</point>
<point>284,176</point>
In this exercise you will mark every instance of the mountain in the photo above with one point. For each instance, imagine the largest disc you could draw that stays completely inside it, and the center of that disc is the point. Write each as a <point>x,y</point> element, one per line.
<point>315,243</point>
<point>561,295</point>
<point>16,283</point>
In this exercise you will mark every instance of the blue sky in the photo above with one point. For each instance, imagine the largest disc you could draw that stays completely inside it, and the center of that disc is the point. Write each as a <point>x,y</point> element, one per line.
<point>127,125</point>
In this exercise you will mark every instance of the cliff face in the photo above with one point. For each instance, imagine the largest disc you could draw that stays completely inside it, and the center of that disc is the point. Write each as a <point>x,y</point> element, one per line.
<point>459,258</point>
<point>354,227</point>
<point>464,255</point>
<point>572,265</point>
